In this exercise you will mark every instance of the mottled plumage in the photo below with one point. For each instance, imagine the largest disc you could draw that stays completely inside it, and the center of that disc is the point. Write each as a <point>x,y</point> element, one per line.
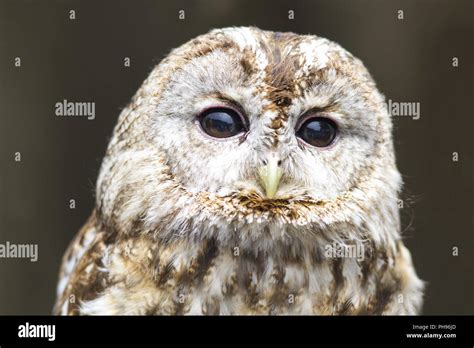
<point>182,224</point>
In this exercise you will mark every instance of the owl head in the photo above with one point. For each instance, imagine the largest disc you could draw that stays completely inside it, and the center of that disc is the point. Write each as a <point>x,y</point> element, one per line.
<point>244,132</point>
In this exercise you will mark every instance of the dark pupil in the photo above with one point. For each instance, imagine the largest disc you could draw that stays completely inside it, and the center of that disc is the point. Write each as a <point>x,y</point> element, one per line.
<point>221,123</point>
<point>318,132</point>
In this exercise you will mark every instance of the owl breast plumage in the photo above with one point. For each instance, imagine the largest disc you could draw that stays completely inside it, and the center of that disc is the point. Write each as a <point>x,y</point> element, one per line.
<point>252,173</point>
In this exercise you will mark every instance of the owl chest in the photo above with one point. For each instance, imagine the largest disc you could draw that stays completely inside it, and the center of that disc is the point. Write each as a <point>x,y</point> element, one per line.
<point>216,281</point>
<point>251,287</point>
<point>224,284</point>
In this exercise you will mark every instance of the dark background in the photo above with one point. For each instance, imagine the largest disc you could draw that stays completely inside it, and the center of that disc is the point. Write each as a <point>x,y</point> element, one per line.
<point>82,60</point>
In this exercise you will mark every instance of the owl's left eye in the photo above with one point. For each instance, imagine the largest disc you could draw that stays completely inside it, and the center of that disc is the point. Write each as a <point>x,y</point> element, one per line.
<point>318,131</point>
<point>221,122</point>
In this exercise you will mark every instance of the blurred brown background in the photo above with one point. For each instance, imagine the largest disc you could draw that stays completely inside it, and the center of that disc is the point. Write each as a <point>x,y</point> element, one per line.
<point>82,60</point>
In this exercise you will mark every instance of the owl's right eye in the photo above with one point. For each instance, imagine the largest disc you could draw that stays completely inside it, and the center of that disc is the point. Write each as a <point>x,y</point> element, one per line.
<point>221,122</point>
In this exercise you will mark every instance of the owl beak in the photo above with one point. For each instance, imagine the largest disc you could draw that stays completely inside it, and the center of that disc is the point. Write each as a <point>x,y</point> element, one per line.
<point>270,174</point>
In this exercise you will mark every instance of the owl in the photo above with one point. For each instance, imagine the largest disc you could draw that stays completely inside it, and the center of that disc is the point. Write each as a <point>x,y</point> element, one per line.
<point>252,173</point>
